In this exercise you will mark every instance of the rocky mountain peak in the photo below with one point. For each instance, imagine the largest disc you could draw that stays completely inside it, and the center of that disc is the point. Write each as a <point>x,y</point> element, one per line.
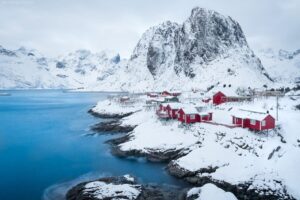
<point>205,36</point>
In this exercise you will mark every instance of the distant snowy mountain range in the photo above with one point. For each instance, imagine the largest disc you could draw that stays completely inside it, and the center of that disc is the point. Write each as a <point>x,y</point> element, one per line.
<point>207,49</point>
<point>24,68</point>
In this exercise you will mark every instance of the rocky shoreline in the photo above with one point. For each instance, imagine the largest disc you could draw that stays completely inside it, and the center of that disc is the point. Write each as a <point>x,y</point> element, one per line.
<point>147,191</point>
<point>241,191</point>
<point>109,116</point>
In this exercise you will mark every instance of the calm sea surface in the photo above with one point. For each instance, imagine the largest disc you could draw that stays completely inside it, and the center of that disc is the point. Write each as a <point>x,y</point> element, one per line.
<point>44,149</point>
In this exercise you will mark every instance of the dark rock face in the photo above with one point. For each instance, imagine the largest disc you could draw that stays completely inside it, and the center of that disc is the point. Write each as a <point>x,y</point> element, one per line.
<point>6,52</point>
<point>116,59</point>
<point>212,34</point>
<point>60,65</point>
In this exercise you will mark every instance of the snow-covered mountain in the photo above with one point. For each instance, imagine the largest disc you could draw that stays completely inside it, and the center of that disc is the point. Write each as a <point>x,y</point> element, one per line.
<point>24,68</point>
<point>207,49</point>
<point>282,65</point>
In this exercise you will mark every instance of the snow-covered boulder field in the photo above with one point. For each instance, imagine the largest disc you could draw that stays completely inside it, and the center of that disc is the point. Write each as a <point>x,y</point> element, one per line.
<point>251,165</point>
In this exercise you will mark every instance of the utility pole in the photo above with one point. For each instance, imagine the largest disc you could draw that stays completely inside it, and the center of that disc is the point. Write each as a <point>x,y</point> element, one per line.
<point>277,107</point>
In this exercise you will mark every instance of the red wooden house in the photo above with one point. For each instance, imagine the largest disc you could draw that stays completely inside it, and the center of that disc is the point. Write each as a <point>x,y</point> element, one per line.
<point>256,121</point>
<point>220,97</point>
<point>166,93</point>
<point>191,115</point>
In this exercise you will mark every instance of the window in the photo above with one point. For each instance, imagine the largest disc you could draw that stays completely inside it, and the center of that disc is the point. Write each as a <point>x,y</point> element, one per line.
<point>263,123</point>
<point>252,122</point>
<point>184,117</point>
<point>192,117</point>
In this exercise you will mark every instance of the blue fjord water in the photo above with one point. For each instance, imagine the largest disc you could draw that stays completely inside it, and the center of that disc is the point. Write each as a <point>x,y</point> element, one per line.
<point>44,149</point>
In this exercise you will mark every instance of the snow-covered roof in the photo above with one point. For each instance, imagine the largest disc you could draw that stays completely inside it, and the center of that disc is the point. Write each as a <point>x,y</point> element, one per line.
<point>250,115</point>
<point>170,97</point>
<point>190,110</point>
<point>203,113</point>
<point>176,105</point>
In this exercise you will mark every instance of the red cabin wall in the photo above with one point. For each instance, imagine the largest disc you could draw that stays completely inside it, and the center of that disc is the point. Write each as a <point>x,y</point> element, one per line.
<point>219,98</point>
<point>189,120</point>
<point>236,120</point>
<point>181,114</point>
<point>270,123</point>
<point>255,126</point>
<point>174,113</point>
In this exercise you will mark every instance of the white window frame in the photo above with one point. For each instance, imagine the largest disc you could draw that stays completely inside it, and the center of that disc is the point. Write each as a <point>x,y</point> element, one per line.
<point>192,117</point>
<point>252,121</point>
<point>263,123</point>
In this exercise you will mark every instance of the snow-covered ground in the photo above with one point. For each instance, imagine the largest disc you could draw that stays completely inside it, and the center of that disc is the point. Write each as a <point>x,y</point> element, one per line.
<point>266,161</point>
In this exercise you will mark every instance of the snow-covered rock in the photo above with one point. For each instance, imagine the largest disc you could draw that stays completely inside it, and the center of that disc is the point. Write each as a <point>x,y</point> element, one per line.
<point>209,192</point>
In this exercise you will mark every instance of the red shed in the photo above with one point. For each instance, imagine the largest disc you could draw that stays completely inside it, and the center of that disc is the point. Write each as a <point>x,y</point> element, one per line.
<point>166,93</point>
<point>220,98</point>
<point>256,121</point>
<point>191,115</point>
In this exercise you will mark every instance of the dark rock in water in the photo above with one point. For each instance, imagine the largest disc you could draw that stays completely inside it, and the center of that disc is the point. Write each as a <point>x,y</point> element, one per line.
<point>151,155</point>
<point>298,107</point>
<point>109,116</point>
<point>147,191</point>
<point>113,126</point>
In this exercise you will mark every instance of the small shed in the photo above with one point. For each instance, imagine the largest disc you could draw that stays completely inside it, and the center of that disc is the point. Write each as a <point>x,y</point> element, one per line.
<point>152,94</point>
<point>221,97</point>
<point>191,115</point>
<point>253,120</point>
<point>166,93</point>
<point>171,93</point>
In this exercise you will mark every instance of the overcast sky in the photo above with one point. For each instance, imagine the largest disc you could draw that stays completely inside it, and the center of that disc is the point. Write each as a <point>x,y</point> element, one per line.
<point>56,27</point>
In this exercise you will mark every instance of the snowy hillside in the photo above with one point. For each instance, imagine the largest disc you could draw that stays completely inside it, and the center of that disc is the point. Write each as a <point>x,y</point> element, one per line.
<point>283,66</point>
<point>25,68</point>
<point>207,49</point>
